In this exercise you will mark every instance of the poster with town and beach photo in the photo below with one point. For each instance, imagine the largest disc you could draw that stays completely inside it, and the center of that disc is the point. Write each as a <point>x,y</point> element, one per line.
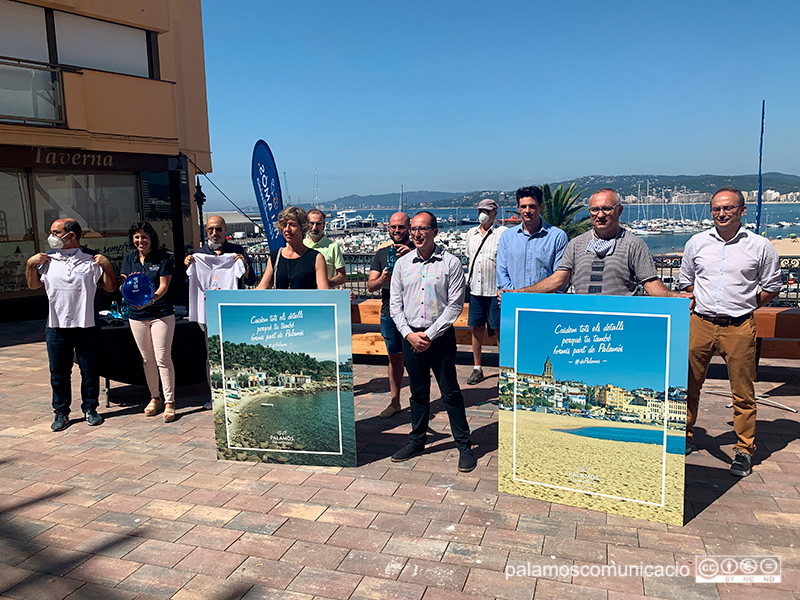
<point>592,395</point>
<point>282,376</point>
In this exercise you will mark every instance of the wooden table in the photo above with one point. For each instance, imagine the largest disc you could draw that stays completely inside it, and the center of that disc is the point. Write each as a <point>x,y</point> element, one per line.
<point>120,359</point>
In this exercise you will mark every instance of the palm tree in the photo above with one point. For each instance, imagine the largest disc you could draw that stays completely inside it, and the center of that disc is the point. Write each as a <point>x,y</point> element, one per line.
<point>560,207</point>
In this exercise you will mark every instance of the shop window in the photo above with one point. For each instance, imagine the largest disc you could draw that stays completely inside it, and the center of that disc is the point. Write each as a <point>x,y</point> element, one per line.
<point>15,208</point>
<point>16,230</point>
<point>157,206</point>
<point>105,204</point>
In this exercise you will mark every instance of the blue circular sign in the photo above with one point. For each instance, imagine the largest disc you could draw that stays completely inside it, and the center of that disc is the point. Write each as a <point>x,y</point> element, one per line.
<point>137,289</point>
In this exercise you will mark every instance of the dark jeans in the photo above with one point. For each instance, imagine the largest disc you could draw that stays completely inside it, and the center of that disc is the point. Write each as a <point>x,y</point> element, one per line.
<point>62,344</point>
<point>441,359</point>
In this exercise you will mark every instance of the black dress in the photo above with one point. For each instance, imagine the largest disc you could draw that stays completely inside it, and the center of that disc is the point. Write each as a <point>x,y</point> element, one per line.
<point>295,273</point>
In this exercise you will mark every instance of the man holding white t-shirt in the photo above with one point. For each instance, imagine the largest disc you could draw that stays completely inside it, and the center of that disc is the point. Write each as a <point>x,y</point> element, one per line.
<point>219,265</point>
<point>71,277</point>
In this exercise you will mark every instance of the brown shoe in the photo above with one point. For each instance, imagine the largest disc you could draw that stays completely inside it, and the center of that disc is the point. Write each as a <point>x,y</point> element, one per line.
<point>169,412</point>
<point>155,406</point>
<point>389,411</point>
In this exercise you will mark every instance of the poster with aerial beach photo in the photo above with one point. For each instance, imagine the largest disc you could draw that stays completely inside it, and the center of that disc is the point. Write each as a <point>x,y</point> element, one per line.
<point>282,376</point>
<point>592,395</point>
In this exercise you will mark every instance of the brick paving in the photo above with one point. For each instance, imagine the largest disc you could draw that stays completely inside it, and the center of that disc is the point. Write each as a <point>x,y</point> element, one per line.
<point>139,509</point>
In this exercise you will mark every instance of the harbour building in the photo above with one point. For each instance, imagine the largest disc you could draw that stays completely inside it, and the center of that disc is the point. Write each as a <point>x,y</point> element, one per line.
<point>103,118</point>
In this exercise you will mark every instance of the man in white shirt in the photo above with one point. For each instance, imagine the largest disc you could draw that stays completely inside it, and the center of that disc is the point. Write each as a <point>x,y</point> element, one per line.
<point>70,278</point>
<point>724,267</point>
<point>217,264</point>
<point>484,308</point>
<point>218,245</point>
<point>426,297</point>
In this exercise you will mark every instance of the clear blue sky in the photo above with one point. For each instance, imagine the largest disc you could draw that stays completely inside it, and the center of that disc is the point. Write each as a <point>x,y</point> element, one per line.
<point>641,363</point>
<point>314,333</point>
<point>462,96</point>
<point>643,337</point>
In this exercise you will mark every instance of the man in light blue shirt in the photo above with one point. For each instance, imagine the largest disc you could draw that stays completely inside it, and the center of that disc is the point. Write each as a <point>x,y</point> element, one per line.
<point>529,252</point>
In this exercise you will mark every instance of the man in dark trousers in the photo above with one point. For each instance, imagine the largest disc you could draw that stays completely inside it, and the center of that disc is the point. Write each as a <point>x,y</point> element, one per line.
<point>70,277</point>
<point>218,245</point>
<point>380,277</point>
<point>427,295</point>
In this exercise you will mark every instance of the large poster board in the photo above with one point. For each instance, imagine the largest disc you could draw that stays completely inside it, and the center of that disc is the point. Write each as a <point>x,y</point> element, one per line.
<point>592,393</point>
<point>282,376</point>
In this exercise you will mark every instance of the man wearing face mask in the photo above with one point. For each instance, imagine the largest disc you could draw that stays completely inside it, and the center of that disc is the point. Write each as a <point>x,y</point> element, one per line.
<point>219,273</point>
<point>329,249</point>
<point>484,307</point>
<point>70,278</point>
<point>218,244</point>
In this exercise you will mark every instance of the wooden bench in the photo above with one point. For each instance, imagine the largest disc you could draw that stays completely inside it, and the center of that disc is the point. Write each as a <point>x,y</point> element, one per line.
<point>367,339</point>
<point>778,331</point>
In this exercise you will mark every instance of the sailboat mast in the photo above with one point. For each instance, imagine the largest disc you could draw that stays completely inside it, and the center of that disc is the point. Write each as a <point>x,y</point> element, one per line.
<point>760,152</point>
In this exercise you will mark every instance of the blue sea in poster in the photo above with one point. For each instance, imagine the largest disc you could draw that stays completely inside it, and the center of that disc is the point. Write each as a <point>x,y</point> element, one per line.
<point>314,421</point>
<point>675,443</point>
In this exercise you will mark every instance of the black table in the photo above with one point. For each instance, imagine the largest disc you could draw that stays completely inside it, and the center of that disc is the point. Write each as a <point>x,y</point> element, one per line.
<point>120,359</point>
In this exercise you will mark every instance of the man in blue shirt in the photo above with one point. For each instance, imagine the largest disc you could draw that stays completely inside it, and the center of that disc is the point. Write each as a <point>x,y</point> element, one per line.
<point>530,251</point>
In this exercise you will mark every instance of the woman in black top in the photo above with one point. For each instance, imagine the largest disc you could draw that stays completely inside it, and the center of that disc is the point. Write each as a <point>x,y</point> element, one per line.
<point>298,267</point>
<point>153,325</point>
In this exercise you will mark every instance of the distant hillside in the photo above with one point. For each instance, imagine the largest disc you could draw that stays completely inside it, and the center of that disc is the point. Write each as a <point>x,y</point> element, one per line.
<point>392,200</point>
<point>625,184</point>
<point>630,184</point>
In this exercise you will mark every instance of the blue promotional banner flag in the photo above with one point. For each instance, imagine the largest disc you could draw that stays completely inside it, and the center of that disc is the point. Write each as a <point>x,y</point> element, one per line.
<point>268,193</point>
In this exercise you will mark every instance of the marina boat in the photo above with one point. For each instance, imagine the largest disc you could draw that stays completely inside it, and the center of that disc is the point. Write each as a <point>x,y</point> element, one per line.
<point>369,221</point>
<point>340,221</point>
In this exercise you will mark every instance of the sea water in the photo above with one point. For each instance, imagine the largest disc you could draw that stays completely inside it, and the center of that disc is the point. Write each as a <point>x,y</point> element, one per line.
<point>675,443</point>
<point>308,422</point>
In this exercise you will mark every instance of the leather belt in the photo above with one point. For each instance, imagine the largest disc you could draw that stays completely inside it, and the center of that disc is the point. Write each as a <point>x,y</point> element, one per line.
<point>724,321</point>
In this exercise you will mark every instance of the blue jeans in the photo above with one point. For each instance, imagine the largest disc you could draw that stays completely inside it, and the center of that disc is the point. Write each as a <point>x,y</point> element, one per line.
<point>484,310</point>
<point>392,337</point>
<point>440,358</point>
<point>63,343</point>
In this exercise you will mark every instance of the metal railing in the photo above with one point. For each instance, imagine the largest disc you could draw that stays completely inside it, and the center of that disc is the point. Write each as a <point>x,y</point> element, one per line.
<point>668,267</point>
<point>30,93</point>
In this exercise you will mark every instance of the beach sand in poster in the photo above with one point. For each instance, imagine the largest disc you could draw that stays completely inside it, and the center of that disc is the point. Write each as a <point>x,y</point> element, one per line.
<point>600,466</point>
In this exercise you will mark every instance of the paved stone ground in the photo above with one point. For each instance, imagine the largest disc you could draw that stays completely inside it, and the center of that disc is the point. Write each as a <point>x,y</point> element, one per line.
<point>141,509</point>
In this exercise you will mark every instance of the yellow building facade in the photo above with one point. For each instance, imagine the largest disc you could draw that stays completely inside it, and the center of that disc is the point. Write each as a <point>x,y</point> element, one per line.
<point>612,397</point>
<point>103,118</point>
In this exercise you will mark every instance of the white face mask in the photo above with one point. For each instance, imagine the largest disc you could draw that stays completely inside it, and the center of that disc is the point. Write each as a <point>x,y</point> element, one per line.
<point>214,245</point>
<point>483,217</point>
<point>56,243</point>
